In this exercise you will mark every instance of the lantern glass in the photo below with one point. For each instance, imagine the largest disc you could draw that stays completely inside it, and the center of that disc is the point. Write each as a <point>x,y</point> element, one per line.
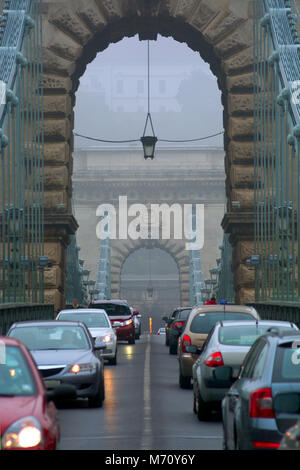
<point>149,143</point>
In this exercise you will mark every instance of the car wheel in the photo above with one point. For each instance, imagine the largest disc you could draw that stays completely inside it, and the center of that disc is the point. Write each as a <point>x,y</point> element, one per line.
<point>137,336</point>
<point>203,409</point>
<point>131,341</point>
<point>184,382</point>
<point>237,445</point>
<point>167,340</point>
<point>97,400</point>
<point>195,405</point>
<point>173,348</point>
<point>113,361</point>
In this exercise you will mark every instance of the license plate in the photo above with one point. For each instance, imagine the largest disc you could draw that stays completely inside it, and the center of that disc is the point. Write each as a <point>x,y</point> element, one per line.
<point>52,383</point>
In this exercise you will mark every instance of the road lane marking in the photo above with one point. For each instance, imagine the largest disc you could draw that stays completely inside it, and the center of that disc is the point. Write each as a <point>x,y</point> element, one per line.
<point>147,431</point>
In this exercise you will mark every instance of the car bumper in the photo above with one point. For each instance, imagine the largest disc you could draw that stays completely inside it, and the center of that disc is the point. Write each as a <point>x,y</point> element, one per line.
<point>186,365</point>
<point>125,333</point>
<point>86,383</point>
<point>260,434</point>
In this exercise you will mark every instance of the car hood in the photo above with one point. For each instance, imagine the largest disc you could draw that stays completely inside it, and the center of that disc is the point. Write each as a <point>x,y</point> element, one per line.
<point>14,408</point>
<point>61,356</point>
<point>101,332</point>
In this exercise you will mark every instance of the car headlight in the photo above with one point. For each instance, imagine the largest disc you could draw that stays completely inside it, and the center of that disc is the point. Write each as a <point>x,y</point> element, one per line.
<point>23,434</point>
<point>103,339</point>
<point>76,368</point>
<point>127,322</point>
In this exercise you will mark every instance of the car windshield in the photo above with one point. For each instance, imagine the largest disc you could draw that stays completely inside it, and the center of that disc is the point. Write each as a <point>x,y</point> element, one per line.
<point>52,337</point>
<point>183,314</point>
<point>287,363</point>
<point>15,375</point>
<point>243,335</point>
<point>92,320</point>
<point>114,310</point>
<point>204,322</point>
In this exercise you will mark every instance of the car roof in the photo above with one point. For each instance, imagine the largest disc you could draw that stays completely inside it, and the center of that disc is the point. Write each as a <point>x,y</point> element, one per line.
<point>284,336</point>
<point>110,301</point>
<point>225,308</point>
<point>230,323</point>
<point>10,341</point>
<point>82,310</point>
<point>47,323</point>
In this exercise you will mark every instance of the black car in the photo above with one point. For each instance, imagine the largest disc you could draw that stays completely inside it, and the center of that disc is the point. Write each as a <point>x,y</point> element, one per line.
<point>174,327</point>
<point>264,401</point>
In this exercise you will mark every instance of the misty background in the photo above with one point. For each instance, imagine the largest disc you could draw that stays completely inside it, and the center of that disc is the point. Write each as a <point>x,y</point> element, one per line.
<point>112,104</point>
<point>185,102</point>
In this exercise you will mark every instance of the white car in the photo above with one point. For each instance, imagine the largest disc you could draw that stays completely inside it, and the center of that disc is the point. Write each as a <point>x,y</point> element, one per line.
<point>99,325</point>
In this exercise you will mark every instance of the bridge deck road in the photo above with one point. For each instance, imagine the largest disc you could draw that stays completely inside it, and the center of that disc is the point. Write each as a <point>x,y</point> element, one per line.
<point>144,407</point>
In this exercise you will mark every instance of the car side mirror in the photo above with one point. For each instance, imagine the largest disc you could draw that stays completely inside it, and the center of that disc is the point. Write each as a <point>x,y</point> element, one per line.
<point>193,349</point>
<point>223,376</point>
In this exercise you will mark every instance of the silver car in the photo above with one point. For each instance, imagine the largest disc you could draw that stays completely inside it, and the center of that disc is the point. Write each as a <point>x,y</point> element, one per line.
<point>99,326</point>
<point>227,345</point>
<point>65,354</point>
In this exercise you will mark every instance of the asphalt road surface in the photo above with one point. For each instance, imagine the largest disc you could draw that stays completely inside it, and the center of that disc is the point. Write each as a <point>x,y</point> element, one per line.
<point>144,408</point>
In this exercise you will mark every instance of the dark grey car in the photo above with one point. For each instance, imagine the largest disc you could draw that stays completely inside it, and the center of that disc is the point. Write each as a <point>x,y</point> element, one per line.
<point>255,409</point>
<point>64,353</point>
<point>226,345</point>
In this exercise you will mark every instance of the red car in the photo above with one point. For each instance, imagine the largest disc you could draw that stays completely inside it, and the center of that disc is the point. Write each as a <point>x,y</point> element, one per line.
<point>120,317</point>
<point>28,416</point>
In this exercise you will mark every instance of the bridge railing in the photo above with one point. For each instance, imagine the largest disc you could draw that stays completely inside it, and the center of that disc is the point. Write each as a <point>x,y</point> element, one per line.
<point>22,259</point>
<point>21,312</point>
<point>277,152</point>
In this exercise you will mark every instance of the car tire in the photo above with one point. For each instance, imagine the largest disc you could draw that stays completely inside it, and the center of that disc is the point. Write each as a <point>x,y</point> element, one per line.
<point>97,400</point>
<point>137,336</point>
<point>131,341</point>
<point>184,382</point>
<point>167,340</point>
<point>203,408</point>
<point>173,348</point>
<point>113,361</point>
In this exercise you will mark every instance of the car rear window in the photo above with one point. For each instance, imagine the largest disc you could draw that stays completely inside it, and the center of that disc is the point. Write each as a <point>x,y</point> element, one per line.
<point>114,310</point>
<point>92,320</point>
<point>243,335</point>
<point>183,314</point>
<point>287,363</point>
<point>204,322</point>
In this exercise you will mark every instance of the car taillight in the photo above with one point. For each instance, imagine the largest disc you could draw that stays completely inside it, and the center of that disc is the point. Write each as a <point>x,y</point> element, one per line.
<point>178,324</point>
<point>186,341</point>
<point>266,445</point>
<point>214,360</point>
<point>261,404</point>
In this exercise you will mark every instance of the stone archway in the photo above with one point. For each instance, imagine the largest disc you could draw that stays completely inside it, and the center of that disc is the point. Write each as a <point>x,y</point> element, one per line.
<point>176,249</point>
<point>74,31</point>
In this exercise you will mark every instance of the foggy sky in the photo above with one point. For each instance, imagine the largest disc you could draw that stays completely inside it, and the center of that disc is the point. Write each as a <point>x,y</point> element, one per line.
<point>199,111</point>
